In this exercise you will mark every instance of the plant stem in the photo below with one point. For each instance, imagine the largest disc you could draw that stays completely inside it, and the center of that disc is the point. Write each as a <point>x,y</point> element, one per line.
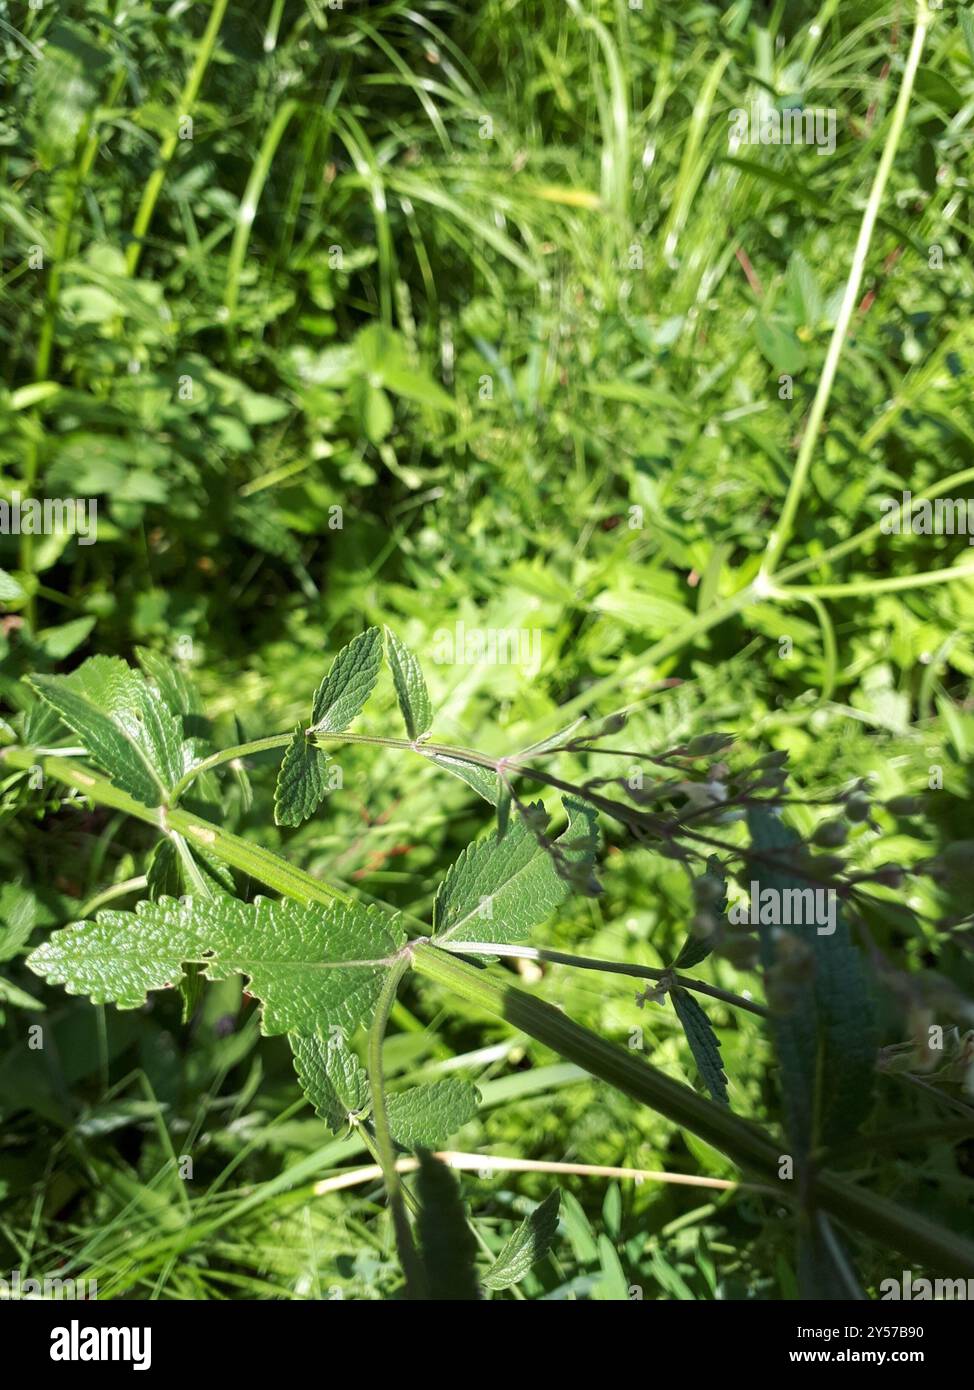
<point>744,1143</point>
<point>263,745</point>
<point>386,1149</point>
<point>187,101</point>
<point>611,967</point>
<point>782,533</point>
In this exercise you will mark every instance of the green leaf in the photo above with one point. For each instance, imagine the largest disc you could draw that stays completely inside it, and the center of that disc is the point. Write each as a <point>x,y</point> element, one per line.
<point>18,998</point>
<point>825,1035</point>
<point>163,876</point>
<point>529,1243</point>
<point>308,964</point>
<point>349,683</point>
<point>698,948</point>
<point>302,783</point>
<point>446,1244</point>
<point>703,1041</point>
<point>123,722</point>
<point>331,1076</point>
<point>499,889</point>
<point>411,692</point>
<point>427,1115</point>
<point>20,913</point>
<point>483,781</point>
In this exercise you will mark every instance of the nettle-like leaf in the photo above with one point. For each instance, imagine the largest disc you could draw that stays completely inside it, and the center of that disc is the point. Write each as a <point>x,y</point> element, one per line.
<point>500,888</point>
<point>482,780</point>
<point>825,1035</point>
<point>308,965</point>
<point>331,1076</point>
<point>349,683</point>
<point>425,1116</point>
<point>124,723</point>
<point>529,1243</point>
<point>704,1043</point>
<point>302,781</point>
<point>411,691</point>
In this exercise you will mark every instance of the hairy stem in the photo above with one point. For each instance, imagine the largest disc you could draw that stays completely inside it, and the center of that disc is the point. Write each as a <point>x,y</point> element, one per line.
<point>610,967</point>
<point>385,1147</point>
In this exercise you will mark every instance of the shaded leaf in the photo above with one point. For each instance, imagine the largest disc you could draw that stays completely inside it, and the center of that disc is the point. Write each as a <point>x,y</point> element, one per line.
<point>446,1244</point>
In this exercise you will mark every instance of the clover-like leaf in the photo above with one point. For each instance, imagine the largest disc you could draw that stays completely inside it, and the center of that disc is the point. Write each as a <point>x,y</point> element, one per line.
<point>501,887</point>
<point>308,964</point>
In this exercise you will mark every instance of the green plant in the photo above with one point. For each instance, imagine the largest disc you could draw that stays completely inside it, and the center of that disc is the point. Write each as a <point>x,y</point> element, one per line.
<point>323,964</point>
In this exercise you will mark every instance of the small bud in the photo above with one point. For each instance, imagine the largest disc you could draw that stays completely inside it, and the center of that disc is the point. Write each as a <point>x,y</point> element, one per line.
<point>905,805</point>
<point>703,745</point>
<point>857,808</point>
<point>707,890</point>
<point>739,950</point>
<point>828,864</point>
<point>830,834</point>
<point>889,875</point>
<point>771,760</point>
<point>703,925</point>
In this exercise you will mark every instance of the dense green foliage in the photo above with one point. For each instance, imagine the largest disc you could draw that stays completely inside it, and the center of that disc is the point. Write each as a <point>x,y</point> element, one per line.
<point>443,375</point>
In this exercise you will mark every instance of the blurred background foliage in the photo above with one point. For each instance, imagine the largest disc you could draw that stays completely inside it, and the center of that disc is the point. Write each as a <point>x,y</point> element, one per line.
<point>426,313</point>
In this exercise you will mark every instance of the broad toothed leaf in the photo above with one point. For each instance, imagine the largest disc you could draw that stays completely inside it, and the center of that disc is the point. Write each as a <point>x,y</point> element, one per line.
<point>499,889</point>
<point>529,1243</point>
<point>302,783</point>
<point>331,1076</point>
<point>425,1116</point>
<point>703,1041</point>
<point>349,683</point>
<point>411,692</point>
<point>124,723</point>
<point>307,964</point>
